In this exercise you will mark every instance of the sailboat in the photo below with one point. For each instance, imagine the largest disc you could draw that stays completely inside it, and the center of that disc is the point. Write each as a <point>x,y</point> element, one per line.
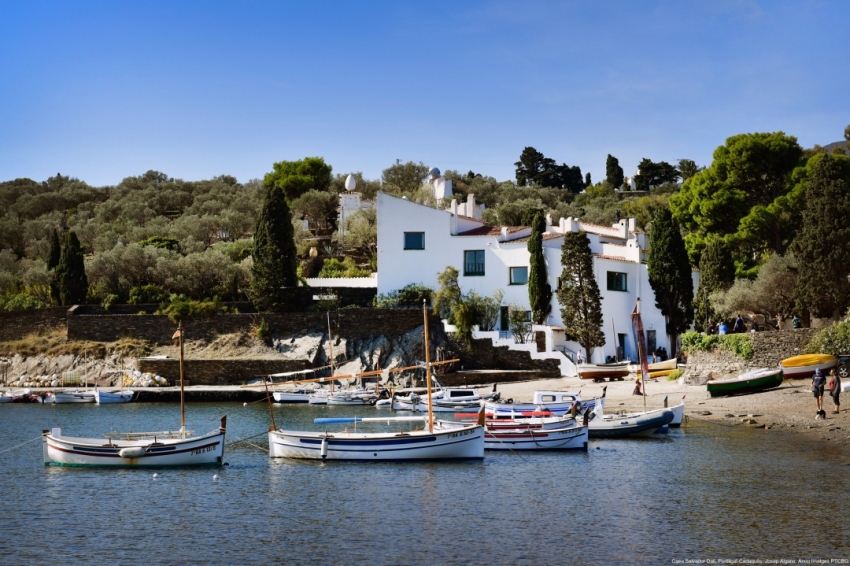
<point>464,442</point>
<point>601,425</point>
<point>138,449</point>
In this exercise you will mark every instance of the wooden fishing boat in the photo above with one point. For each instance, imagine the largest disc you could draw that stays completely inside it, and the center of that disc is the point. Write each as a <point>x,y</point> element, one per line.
<point>559,433</point>
<point>601,425</point>
<point>678,413</point>
<point>662,366</point>
<point>449,399</point>
<point>464,442</point>
<point>292,396</point>
<point>72,396</point>
<point>138,449</point>
<point>800,367</point>
<point>557,403</point>
<point>110,397</point>
<point>616,371</point>
<point>750,382</point>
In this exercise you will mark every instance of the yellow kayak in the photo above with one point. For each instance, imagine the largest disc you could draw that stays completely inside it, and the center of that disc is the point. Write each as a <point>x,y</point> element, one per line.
<point>798,367</point>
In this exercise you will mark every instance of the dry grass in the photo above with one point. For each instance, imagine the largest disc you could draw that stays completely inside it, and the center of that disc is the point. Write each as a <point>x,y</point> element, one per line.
<point>55,343</point>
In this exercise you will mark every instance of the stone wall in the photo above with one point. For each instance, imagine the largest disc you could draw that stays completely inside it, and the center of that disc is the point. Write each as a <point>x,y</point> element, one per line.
<point>349,323</point>
<point>218,372</point>
<point>483,355</point>
<point>769,348</point>
<point>18,324</point>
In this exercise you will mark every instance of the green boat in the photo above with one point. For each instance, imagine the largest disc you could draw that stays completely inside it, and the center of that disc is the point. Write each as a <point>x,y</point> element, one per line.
<point>751,382</point>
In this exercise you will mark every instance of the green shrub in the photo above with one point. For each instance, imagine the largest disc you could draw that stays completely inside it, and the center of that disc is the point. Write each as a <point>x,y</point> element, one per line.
<point>109,300</point>
<point>675,374</point>
<point>147,294</point>
<point>180,306</point>
<point>833,340</point>
<point>410,296</point>
<point>263,330</point>
<point>739,344</point>
<point>333,267</point>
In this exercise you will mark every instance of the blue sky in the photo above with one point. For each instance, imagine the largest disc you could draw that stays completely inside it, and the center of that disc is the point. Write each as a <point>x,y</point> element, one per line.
<point>105,90</point>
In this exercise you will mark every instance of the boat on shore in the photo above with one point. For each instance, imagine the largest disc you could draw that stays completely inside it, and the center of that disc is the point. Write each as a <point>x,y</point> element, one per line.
<point>752,381</point>
<point>616,371</point>
<point>801,367</point>
<point>138,449</point>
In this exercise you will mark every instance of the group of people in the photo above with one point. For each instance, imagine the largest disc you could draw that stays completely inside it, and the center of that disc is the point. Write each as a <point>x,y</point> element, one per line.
<point>722,328</point>
<point>818,387</point>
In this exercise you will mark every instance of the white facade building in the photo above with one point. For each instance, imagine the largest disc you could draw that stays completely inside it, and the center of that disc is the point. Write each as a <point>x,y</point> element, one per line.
<point>416,242</point>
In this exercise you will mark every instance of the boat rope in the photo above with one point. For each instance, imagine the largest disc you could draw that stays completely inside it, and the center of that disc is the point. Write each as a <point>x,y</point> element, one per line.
<point>22,444</point>
<point>257,446</point>
<point>509,448</point>
<point>247,437</point>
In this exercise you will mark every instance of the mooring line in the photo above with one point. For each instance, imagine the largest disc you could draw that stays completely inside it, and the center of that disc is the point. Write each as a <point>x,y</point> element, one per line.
<point>243,439</point>
<point>23,444</point>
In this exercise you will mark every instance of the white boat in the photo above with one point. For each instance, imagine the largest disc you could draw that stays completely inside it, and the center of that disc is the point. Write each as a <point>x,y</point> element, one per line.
<point>804,366</point>
<point>292,396</point>
<point>631,424</point>
<point>147,449</point>
<point>109,397</point>
<point>615,371</point>
<point>319,397</point>
<point>352,397</point>
<point>138,449</point>
<point>72,396</point>
<point>557,403</point>
<point>464,442</point>
<point>448,399</point>
<point>678,413</point>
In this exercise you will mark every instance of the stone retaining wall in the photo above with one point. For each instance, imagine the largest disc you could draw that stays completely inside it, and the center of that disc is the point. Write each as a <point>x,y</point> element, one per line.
<point>349,323</point>
<point>483,355</point>
<point>219,372</point>
<point>18,324</point>
<point>769,348</point>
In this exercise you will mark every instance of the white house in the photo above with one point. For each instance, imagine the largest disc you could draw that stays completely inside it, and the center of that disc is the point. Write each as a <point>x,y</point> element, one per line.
<point>415,242</point>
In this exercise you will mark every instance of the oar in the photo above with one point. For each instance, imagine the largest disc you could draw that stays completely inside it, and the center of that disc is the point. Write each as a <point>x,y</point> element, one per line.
<point>332,420</point>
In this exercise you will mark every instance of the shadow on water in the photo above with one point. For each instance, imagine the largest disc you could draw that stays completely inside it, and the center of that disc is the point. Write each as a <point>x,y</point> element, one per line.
<point>700,492</point>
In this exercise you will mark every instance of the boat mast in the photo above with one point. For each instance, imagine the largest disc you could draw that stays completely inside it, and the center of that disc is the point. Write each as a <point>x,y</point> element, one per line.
<point>428,370</point>
<point>182,393</point>
<point>643,362</point>
<point>331,344</point>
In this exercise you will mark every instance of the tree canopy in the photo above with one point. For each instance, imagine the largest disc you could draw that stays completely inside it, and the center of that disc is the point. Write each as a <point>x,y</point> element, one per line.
<point>578,295</point>
<point>275,262</point>
<point>613,172</point>
<point>295,178</point>
<point>539,290</point>
<point>717,273</point>
<point>670,274</point>
<point>654,174</point>
<point>71,272</point>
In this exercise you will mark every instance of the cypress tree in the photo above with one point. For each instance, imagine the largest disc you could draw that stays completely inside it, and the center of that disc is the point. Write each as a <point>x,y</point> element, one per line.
<point>823,245</point>
<point>275,263</point>
<point>54,254</point>
<point>578,295</point>
<point>670,275</point>
<point>71,272</point>
<point>717,272</point>
<point>613,172</point>
<point>539,290</point>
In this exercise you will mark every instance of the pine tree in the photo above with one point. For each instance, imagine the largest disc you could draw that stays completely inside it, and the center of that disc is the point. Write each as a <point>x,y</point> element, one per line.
<point>822,248</point>
<point>71,272</point>
<point>275,263</point>
<point>587,181</point>
<point>717,272</point>
<point>670,275</point>
<point>578,295</point>
<point>539,290</point>
<point>613,172</point>
<point>54,254</point>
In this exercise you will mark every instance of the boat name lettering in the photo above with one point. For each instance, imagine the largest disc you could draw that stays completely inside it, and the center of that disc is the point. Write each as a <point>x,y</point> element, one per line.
<point>460,433</point>
<point>203,449</point>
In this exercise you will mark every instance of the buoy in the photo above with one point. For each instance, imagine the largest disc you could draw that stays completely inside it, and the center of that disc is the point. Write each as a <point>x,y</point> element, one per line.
<point>244,404</point>
<point>155,476</point>
<point>324,450</point>
<point>132,452</point>
<point>215,477</point>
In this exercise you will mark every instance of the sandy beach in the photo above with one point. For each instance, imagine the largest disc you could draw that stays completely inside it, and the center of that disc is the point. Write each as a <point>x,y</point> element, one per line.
<point>790,407</point>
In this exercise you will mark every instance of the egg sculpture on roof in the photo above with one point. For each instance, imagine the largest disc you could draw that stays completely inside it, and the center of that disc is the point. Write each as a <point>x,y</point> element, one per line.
<point>350,183</point>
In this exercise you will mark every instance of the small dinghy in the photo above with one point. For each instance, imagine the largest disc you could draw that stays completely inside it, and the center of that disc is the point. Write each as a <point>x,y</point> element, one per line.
<point>616,371</point>
<point>801,367</point>
<point>752,381</point>
<point>601,425</point>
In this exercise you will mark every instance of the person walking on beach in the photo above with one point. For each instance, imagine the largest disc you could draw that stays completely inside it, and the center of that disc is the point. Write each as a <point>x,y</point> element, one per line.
<point>818,383</point>
<point>835,390</point>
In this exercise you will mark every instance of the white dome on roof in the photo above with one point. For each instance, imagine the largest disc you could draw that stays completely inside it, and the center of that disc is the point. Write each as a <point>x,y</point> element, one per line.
<point>435,172</point>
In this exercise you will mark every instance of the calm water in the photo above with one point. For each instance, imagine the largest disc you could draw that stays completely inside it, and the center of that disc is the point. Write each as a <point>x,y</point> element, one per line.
<point>705,492</point>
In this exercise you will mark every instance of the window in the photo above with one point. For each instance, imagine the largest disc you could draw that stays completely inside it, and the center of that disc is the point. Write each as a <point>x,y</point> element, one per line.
<point>650,341</point>
<point>473,262</point>
<point>414,240</point>
<point>617,281</point>
<point>519,276</point>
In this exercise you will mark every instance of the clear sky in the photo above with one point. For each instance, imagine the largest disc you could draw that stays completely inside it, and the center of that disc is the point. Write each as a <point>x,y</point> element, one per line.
<point>105,90</point>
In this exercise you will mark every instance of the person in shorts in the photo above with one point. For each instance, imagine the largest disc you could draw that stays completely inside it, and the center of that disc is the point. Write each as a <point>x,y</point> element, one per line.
<point>818,384</point>
<point>835,390</point>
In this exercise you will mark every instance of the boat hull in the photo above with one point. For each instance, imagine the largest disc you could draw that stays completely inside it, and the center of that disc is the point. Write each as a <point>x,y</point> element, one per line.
<point>678,415</point>
<point>600,372</point>
<point>109,397</point>
<point>72,397</point>
<point>662,366</point>
<point>462,443</point>
<point>68,451</point>
<point>801,367</point>
<point>285,397</point>
<point>570,438</point>
<point>503,410</point>
<point>641,424</point>
<point>750,382</point>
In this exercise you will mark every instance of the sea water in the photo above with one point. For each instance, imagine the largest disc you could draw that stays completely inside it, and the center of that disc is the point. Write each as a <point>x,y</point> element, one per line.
<point>701,494</point>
